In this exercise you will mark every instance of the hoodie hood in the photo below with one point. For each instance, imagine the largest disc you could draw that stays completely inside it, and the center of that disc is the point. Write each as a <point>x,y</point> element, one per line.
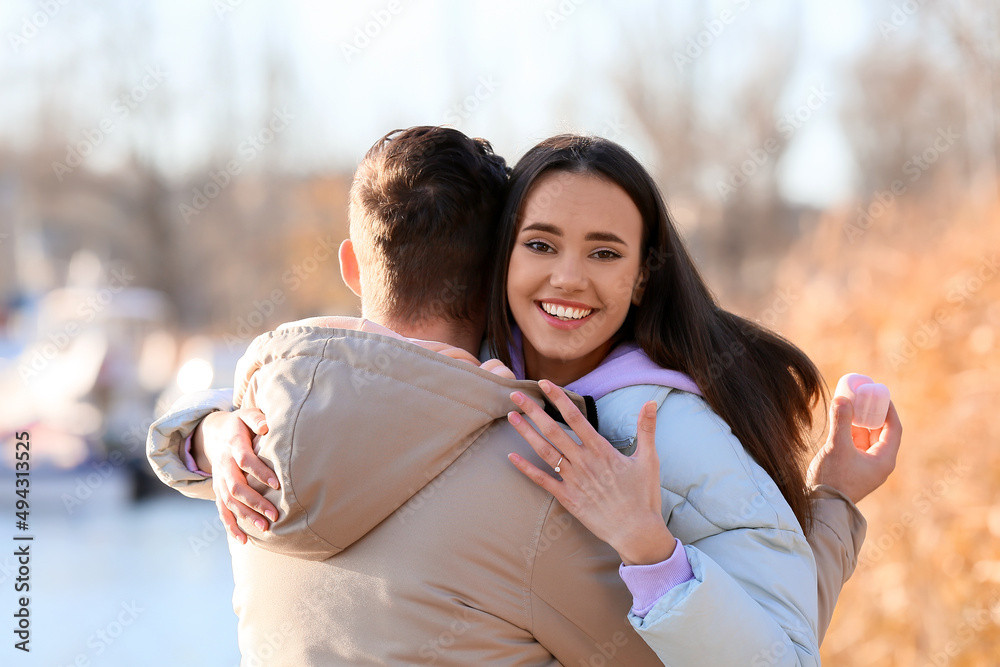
<point>359,423</point>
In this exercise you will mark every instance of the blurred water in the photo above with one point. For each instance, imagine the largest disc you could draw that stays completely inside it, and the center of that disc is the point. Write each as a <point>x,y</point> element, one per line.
<point>116,583</point>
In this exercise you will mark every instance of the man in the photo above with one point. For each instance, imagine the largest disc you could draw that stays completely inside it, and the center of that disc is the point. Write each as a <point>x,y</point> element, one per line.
<point>442,566</point>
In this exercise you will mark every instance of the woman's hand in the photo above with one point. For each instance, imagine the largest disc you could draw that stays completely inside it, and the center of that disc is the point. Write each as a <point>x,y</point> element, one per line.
<point>615,496</point>
<point>225,441</point>
<point>494,366</point>
<point>855,460</point>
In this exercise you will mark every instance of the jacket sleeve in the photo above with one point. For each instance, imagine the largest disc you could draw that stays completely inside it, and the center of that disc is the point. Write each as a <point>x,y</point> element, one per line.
<point>753,598</point>
<point>838,531</point>
<point>168,433</point>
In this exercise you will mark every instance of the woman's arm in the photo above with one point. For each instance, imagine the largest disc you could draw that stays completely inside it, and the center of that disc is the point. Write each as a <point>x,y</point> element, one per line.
<point>753,596</point>
<point>220,438</point>
<point>853,463</point>
<point>222,446</point>
<point>168,434</point>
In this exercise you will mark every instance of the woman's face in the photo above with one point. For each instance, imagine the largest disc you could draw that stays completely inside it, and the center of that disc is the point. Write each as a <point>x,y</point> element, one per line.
<point>574,271</point>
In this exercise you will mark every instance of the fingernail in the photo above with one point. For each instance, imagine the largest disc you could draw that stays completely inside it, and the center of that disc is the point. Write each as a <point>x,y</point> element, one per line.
<point>650,409</point>
<point>545,385</point>
<point>260,524</point>
<point>273,483</point>
<point>517,397</point>
<point>272,515</point>
<point>514,418</point>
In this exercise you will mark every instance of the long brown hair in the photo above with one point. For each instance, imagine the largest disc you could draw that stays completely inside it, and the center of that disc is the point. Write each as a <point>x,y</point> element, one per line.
<point>763,386</point>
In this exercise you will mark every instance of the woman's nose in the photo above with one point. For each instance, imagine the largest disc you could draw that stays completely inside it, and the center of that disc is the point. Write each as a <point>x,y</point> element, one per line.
<point>568,276</point>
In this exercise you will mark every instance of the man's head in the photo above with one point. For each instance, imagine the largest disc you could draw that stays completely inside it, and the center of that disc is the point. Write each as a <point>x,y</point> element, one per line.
<point>423,210</point>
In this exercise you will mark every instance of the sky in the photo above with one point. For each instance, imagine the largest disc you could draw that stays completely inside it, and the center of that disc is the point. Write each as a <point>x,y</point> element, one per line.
<point>513,72</point>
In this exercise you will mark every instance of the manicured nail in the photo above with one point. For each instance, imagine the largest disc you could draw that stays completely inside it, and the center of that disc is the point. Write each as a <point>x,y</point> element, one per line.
<point>650,408</point>
<point>273,483</point>
<point>260,524</point>
<point>545,386</point>
<point>514,418</point>
<point>517,397</point>
<point>271,514</point>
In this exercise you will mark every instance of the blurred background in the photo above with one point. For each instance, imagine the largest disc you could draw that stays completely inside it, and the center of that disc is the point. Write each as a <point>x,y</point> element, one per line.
<point>173,180</point>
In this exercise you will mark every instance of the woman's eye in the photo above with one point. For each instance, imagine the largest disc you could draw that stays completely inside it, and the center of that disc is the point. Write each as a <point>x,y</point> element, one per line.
<point>606,254</point>
<point>538,246</point>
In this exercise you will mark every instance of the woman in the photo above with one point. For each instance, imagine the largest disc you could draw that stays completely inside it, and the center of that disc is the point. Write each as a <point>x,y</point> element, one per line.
<point>594,266</point>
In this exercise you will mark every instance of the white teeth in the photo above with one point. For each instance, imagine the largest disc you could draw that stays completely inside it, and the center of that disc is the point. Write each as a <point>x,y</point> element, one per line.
<point>565,313</point>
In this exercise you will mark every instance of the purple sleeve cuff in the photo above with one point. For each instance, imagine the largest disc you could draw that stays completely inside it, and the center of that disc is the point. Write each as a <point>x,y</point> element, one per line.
<point>649,583</point>
<point>189,461</point>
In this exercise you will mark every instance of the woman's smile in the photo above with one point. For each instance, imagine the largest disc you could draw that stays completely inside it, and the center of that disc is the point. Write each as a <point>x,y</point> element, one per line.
<point>565,314</point>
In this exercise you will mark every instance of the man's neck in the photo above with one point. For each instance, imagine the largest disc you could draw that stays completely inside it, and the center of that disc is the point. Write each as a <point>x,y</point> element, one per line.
<point>468,337</point>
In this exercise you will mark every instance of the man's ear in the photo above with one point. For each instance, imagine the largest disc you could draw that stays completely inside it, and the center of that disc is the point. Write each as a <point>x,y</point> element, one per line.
<point>349,269</point>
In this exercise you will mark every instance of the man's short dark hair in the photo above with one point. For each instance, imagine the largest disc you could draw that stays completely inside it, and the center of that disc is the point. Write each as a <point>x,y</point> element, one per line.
<point>424,207</point>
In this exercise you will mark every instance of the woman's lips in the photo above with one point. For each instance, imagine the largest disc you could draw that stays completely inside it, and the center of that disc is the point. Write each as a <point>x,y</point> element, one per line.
<point>565,324</point>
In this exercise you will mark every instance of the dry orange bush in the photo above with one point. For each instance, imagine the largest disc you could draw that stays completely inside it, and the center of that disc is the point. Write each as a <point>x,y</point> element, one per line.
<point>912,298</point>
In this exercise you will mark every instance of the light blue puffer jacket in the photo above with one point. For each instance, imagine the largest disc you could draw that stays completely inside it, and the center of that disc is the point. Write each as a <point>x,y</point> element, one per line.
<point>753,600</point>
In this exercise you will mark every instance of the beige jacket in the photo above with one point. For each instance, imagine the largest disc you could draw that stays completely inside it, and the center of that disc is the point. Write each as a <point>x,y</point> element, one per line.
<point>404,534</point>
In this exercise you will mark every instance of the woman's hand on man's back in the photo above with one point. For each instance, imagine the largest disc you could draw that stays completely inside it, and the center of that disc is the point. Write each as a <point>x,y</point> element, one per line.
<point>223,446</point>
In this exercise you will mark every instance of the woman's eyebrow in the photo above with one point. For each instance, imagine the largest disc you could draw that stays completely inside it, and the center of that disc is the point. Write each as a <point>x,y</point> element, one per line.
<point>604,236</point>
<point>607,237</point>
<point>542,227</point>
